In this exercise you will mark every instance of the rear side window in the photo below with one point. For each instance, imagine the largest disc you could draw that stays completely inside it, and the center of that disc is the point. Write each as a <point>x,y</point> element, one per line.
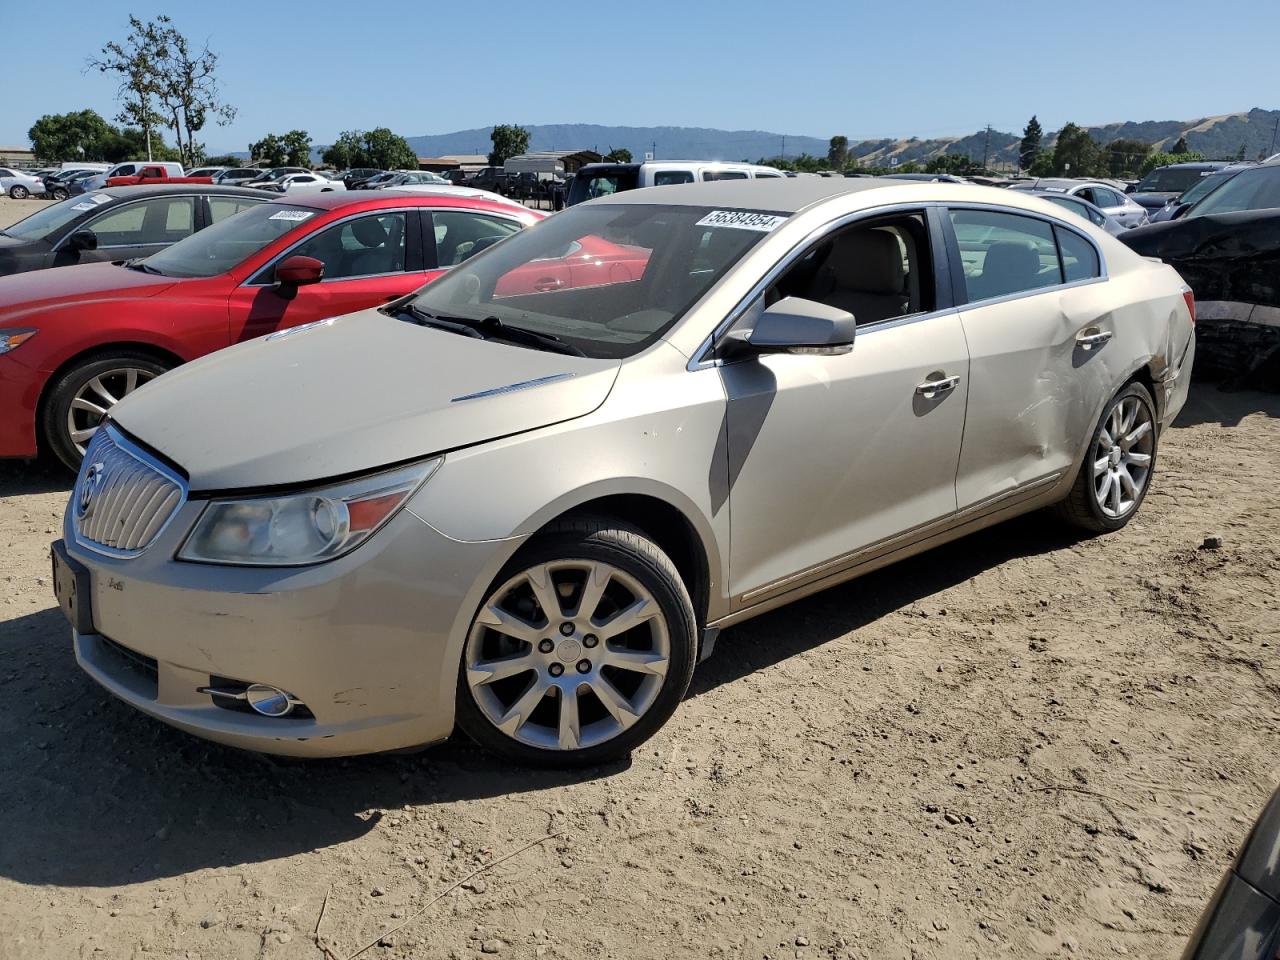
<point>162,220</point>
<point>724,175</point>
<point>460,234</point>
<point>1079,256</point>
<point>1004,253</point>
<point>665,178</point>
<point>222,207</point>
<point>590,186</point>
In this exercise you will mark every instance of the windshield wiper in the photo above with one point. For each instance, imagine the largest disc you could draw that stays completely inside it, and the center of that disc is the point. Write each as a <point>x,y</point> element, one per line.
<point>137,264</point>
<point>491,328</point>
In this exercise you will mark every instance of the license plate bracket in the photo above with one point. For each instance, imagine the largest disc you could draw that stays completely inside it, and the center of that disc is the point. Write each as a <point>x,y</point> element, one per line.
<point>71,588</point>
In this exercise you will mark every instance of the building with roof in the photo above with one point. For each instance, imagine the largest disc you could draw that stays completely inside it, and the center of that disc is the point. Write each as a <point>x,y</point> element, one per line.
<point>551,161</point>
<point>469,162</point>
<point>17,156</point>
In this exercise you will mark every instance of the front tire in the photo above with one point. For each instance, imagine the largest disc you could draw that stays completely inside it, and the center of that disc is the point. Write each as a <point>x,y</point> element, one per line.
<point>59,193</point>
<point>581,651</point>
<point>19,192</point>
<point>1116,473</point>
<point>81,397</point>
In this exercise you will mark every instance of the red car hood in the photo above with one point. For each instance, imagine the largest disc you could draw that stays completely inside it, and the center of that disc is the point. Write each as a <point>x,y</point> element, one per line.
<point>23,293</point>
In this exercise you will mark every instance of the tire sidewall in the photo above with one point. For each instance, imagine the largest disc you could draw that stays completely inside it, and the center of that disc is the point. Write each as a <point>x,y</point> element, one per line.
<point>673,599</point>
<point>19,193</point>
<point>53,420</point>
<point>1115,523</point>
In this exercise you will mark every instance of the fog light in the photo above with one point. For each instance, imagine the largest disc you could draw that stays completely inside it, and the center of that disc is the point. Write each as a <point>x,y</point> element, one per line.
<point>268,701</point>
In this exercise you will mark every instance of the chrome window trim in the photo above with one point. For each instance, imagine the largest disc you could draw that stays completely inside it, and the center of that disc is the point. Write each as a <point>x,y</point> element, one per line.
<point>87,224</point>
<point>128,447</point>
<point>700,357</point>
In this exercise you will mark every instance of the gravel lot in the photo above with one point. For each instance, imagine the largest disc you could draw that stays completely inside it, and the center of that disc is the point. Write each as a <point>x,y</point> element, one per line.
<point>1020,744</point>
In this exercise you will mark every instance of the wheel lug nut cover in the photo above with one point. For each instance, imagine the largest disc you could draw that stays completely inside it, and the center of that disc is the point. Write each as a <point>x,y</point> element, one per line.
<point>566,629</point>
<point>546,646</point>
<point>584,666</point>
<point>556,669</point>
<point>590,640</point>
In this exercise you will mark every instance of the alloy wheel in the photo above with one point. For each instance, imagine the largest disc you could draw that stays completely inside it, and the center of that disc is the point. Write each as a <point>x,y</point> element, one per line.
<point>1122,454</point>
<point>567,655</point>
<point>98,395</point>
<point>19,193</point>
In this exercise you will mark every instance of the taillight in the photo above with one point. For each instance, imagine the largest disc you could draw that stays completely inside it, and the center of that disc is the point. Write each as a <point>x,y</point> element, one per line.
<point>1190,297</point>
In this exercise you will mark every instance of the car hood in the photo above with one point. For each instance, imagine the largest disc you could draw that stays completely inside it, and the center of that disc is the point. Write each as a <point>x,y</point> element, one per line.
<point>23,293</point>
<point>349,395</point>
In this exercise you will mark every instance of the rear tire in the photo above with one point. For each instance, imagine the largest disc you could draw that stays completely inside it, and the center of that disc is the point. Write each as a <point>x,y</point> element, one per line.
<point>520,666</point>
<point>19,192</point>
<point>1117,470</point>
<point>79,398</point>
<point>59,193</point>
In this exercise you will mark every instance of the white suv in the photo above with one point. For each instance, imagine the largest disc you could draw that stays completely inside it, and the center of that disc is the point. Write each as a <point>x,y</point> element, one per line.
<point>602,179</point>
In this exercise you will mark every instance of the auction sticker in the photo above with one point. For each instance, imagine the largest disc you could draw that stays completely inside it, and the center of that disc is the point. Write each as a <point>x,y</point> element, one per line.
<point>297,216</point>
<point>741,220</point>
<point>99,198</point>
<point>84,206</point>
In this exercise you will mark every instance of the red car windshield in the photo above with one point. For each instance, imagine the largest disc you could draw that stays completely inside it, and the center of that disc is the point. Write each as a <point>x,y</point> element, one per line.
<point>228,242</point>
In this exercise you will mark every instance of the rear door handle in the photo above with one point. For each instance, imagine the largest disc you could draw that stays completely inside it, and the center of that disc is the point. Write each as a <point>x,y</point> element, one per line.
<point>1092,337</point>
<point>933,388</point>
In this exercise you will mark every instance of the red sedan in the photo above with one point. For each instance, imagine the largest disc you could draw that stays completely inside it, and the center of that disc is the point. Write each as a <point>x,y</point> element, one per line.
<point>74,341</point>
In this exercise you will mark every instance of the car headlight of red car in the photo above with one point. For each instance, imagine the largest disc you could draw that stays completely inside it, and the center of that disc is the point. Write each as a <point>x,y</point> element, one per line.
<point>302,528</point>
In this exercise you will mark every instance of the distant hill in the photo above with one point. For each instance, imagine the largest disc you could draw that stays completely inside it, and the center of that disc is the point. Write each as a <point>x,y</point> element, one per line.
<point>1218,138</point>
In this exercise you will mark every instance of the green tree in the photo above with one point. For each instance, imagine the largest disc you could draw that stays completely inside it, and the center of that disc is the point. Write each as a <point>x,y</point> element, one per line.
<point>1029,149</point>
<point>347,151</point>
<point>909,167</point>
<point>509,140</point>
<point>135,62</point>
<point>955,164</point>
<point>186,87</point>
<point>1242,151</point>
<point>1076,154</point>
<point>618,155</point>
<point>79,135</point>
<point>1042,165</point>
<point>1124,157</point>
<point>838,153</point>
<point>223,160</point>
<point>389,151</point>
<point>1164,159</point>
<point>270,151</point>
<point>297,146</point>
<point>1180,146</point>
<point>130,143</point>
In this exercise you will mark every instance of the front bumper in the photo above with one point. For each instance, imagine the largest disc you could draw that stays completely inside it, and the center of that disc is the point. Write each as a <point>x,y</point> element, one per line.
<point>370,642</point>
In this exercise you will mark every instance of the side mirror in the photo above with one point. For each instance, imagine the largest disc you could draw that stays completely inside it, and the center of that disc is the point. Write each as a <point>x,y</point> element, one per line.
<point>796,325</point>
<point>1130,188</point>
<point>299,272</point>
<point>82,240</point>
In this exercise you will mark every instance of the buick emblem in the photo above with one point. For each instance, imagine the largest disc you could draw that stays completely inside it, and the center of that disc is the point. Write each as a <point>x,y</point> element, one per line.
<point>89,485</point>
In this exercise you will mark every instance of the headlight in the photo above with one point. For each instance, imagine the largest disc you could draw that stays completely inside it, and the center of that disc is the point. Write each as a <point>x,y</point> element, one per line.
<point>12,339</point>
<point>302,528</point>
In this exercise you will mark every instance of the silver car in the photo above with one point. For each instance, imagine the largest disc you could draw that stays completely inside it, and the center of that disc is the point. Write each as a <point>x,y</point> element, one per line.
<point>526,499</point>
<point>1114,203</point>
<point>1084,209</point>
<point>19,184</point>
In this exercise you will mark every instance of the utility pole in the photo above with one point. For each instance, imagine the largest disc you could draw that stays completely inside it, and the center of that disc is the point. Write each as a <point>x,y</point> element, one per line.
<point>654,145</point>
<point>784,146</point>
<point>986,147</point>
<point>1273,138</point>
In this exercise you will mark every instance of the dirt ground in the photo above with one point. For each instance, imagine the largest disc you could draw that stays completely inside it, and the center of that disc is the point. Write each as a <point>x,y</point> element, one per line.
<point>1019,744</point>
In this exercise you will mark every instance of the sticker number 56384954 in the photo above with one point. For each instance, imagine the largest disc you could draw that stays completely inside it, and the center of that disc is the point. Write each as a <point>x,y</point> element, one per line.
<point>741,220</point>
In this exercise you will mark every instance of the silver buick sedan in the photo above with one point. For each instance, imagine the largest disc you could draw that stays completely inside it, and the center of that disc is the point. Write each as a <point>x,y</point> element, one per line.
<point>524,500</point>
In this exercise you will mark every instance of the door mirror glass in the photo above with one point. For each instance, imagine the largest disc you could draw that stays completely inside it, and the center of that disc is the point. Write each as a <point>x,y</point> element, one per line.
<point>796,325</point>
<point>298,271</point>
<point>82,240</point>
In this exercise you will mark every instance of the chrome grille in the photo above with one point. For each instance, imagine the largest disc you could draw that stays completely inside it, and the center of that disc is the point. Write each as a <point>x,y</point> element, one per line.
<point>123,497</point>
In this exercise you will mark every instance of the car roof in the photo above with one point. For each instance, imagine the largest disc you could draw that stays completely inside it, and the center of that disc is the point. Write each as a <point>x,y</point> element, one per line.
<point>338,199</point>
<point>782,194</point>
<point>151,190</point>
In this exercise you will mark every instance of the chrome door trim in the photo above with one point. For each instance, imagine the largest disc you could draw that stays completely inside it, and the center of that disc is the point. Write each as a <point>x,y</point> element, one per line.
<point>899,541</point>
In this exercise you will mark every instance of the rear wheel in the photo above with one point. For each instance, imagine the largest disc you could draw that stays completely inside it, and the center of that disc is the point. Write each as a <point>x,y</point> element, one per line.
<point>581,651</point>
<point>1116,472</point>
<point>59,193</point>
<point>19,192</point>
<point>82,396</point>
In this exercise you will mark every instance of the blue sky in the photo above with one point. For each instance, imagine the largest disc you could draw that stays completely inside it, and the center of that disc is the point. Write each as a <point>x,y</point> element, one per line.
<point>817,68</point>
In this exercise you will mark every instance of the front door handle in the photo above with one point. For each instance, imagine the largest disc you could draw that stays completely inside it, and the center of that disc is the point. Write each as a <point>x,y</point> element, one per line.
<point>547,284</point>
<point>1091,337</point>
<point>933,388</point>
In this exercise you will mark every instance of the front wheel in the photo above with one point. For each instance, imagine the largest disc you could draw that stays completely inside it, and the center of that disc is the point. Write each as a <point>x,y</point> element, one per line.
<point>1117,468</point>
<point>81,397</point>
<point>19,192</point>
<point>581,651</point>
<point>59,193</point>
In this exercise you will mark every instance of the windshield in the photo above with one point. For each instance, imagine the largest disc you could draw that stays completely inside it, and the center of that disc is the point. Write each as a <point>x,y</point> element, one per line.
<point>1205,187</point>
<point>218,248</point>
<point>1169,180</point>
<point>1256,189</point>
<point>602,183</point>
<point>608,280</point>
<point>54,217</point>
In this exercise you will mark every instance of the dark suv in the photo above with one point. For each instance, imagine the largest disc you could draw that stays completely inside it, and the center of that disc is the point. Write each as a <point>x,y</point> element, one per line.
<point>1164,184</point>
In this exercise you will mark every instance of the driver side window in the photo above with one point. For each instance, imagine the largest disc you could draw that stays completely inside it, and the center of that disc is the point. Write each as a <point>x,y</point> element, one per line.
<point>460,234</point>
<point>364,247</point>
<point>877,270</point>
